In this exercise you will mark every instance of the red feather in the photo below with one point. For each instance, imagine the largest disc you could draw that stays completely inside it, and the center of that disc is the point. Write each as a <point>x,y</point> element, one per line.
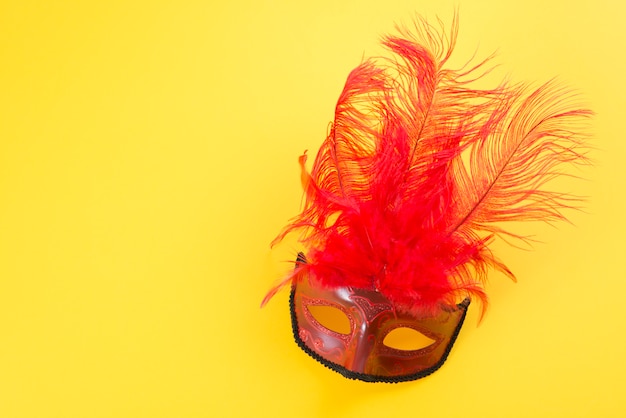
<point>419,168</point>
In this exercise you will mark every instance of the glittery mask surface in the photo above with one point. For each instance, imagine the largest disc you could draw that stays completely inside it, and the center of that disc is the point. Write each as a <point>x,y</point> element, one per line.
<point>362,351</point>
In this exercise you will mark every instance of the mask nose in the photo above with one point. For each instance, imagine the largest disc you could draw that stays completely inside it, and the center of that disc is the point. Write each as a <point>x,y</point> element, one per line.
<point>360,349</point>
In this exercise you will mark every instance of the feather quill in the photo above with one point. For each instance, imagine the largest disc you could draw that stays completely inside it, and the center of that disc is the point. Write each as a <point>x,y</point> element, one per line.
<point>419,170</point>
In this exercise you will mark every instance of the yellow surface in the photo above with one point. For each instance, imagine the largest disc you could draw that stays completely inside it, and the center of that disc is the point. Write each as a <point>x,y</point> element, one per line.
<point>148,156</point>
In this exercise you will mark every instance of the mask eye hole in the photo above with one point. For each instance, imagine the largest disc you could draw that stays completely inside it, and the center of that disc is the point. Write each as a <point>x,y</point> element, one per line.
<point>331,318</point>
<point>407,339</point>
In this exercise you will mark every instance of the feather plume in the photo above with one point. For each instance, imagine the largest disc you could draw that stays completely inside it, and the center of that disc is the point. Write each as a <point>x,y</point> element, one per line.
<point>420,169</point>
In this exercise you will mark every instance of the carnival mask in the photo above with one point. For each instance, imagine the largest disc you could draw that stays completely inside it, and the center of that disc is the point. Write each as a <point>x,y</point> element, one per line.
<point>417,175</point>
<point>360,350</point>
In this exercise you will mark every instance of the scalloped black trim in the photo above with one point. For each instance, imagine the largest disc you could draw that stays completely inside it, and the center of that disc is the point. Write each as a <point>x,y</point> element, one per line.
<point>364,376</point>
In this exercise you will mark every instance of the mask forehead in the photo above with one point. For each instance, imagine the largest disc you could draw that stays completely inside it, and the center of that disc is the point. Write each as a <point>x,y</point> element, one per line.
<point>361,353</point>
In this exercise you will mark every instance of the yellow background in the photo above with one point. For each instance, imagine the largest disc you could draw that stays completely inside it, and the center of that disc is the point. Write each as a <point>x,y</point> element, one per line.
<point>148,156</point>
